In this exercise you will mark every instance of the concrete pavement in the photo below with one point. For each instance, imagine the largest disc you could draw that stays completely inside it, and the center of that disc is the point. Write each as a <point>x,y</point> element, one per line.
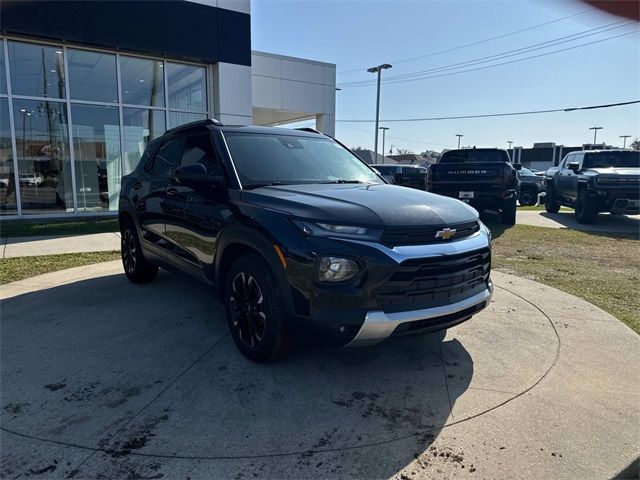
<point>104,378</point>
<point>32,246</point>
<point>605,223</point>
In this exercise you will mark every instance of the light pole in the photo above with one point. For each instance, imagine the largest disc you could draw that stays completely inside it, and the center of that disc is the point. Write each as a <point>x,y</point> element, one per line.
<point>509,142</point>
<point>459,137</point>
<point>384,131</point>
<point>624,140</point>
<point>378,70</point>
<point>595,133</point>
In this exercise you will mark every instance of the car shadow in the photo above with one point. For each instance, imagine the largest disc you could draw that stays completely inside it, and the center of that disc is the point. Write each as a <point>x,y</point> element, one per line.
<point>145,379</point>
<point>604,225</point>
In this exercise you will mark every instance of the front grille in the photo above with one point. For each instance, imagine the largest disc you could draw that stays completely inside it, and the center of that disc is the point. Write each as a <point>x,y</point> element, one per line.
<point>395,237</point>
<point>435,281</point>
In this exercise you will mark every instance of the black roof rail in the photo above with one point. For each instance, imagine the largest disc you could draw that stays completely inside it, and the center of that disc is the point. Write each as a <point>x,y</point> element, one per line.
<point>310,130</point>
<point>197,123</point>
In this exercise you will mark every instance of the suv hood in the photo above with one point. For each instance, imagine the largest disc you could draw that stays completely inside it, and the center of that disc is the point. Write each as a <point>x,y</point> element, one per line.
<point>635,171</point>
<point>374,205</point>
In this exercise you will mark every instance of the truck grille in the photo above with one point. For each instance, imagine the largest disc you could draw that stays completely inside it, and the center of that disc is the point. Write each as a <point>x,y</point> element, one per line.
<point>435,281</point>
<point>395,237</point>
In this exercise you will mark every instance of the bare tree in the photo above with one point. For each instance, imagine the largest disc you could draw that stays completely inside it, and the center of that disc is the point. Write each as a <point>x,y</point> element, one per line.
<point>635,145</point>
<point>403,151</point>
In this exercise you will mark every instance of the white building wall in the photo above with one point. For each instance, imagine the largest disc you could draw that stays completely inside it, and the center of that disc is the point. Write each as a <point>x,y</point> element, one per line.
<point>286,89</point>
<point>231,94</point>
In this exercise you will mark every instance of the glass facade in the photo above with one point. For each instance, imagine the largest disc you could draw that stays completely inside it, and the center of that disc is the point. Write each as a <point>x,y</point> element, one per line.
<point>73,120</point>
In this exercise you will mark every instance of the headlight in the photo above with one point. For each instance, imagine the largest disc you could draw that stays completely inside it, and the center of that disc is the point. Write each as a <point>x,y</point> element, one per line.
<point>336,269</point>
<point>340,231</point>
<point>486,229</point>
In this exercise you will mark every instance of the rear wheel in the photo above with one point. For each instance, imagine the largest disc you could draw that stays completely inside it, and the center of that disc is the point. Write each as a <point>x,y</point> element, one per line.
<point>136,267</point>
<point>551,203</point>
<point>255,309</point>
<point>528,197</point>
<point>508,213</point>
<point>586,211</point>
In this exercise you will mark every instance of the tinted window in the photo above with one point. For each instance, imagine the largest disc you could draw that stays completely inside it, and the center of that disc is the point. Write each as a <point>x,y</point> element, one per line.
<point>385,170</point>
<point>628,159</point>
<point>473,156</point>
<point>198,149</point>
<point>167,157</point>
<point>290,159</point>
<point>414,170</point>
<point>36,70</point>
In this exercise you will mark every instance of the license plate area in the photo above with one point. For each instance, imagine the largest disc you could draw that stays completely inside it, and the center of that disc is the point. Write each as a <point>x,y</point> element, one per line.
<point>465,194</point>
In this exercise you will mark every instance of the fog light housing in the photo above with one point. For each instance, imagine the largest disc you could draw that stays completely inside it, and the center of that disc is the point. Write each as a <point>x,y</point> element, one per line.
<point>337,269</point>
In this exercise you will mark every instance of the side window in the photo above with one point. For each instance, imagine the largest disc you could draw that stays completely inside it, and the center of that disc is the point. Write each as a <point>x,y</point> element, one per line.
<point>199,149</point>
<point>149,153</point>
<point>579,157</point>
<point>167,158</point>
<point>567,159</point>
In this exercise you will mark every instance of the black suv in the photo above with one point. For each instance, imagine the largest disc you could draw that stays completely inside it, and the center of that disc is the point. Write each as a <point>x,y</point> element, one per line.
<point>300,238</point>
<point>483,177</point>
<point>595,181</point>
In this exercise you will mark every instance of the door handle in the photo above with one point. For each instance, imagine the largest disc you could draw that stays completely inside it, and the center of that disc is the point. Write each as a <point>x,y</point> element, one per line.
<point>172,192</point>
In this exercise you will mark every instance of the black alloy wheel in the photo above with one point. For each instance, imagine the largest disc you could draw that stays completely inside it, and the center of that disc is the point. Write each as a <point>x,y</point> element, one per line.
<point>136,267</point>
<point>246,302</point>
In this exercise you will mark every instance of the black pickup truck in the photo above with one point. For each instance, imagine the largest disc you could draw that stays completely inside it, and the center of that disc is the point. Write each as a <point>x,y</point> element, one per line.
<point>595,181</point>
<point>485,178</point>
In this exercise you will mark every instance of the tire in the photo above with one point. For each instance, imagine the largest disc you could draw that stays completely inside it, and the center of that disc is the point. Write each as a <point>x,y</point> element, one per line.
<point>551,204</point>
<point>528,197</point>
<point>508,212</point>
<point>136,267</point>
<point>255,309</point>
<point>585,209</point>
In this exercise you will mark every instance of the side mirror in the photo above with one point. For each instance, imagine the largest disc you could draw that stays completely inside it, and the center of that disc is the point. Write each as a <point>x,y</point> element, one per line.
<point>517,166</point>
<point>574,166</point>
<point>196,174</point>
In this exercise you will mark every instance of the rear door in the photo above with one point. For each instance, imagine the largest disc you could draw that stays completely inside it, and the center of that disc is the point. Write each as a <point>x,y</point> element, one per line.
<point>195,214</point>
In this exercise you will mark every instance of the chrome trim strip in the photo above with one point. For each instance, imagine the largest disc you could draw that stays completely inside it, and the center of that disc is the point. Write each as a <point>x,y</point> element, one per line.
<point>378,325</point>
<point>478,240</point>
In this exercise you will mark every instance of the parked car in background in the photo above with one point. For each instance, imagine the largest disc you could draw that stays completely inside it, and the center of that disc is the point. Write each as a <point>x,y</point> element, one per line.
<point>531,185</point>
<point>595,181</point>
<point>300,238</point>
<point>484,178</point>
<point>414,176</point>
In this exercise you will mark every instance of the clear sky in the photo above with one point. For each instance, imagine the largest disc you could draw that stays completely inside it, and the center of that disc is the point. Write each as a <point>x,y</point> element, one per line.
<point>360,34</point>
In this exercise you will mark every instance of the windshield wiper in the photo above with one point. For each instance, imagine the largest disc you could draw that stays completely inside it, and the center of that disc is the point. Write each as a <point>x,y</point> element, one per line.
<point>258,185</point>
<point>343,181</point>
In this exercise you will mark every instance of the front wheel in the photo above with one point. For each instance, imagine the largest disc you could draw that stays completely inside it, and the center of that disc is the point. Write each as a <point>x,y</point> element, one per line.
<point>586,211</point>
<point>528,197</point>
<point>508,213</point>
<point>255,309</point>
<point>136,267</point>
<point>551,204</point>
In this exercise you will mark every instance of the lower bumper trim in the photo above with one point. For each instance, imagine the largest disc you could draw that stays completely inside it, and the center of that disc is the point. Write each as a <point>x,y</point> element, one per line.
<point>379,325</point>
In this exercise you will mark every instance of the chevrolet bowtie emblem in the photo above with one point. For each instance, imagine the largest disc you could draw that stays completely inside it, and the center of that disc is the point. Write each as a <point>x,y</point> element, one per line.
<point>446,233</point>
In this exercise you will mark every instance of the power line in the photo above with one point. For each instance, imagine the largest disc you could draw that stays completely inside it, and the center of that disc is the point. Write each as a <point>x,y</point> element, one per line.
<point>506,54</point>
<point>508,114</point>
<point>476,42</point>
<point>412,140</point>
<point>508,62</point>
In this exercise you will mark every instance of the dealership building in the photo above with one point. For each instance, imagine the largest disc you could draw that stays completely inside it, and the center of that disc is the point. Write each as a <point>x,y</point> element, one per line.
<point>86,84</point>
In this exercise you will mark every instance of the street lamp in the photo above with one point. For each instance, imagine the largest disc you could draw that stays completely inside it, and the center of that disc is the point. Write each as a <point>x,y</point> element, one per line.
<point>384,131</point>
<point>624,140</point>
<point>378,70</point>
<point>509,142</point>
<point>459,137</point>
<point>595,133</point>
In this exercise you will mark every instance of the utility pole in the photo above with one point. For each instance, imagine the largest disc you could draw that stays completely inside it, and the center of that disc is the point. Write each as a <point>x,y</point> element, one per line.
<point>384,131</point>
<point>595,133</point>
<point>459,137</point>
<point>624,140</point>
<point>377,70</point>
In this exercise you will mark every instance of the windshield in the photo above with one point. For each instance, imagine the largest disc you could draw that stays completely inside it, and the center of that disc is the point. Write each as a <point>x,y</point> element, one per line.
<point>473,156</point>
<point>414,170</point>
<point>265,159</point>
<point>629,159</point>
<point>386,169</point>
<point>525,172</point>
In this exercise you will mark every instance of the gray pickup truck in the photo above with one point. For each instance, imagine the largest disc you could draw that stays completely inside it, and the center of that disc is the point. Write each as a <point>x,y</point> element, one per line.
<point>595,181</point>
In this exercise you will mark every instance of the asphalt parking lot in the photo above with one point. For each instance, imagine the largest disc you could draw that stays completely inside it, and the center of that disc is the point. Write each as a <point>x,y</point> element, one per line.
<point>104,379</point>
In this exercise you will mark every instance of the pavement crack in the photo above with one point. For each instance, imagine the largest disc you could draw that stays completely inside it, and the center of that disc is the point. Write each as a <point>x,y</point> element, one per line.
<point>446,382</point>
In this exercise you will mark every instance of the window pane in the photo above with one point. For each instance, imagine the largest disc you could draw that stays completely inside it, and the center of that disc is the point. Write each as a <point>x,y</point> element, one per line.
<point>142,81</point>
<point>43,156</point>
<point>36,70</point>
<point>186,87</point>
<point>199,149</point>
<point>7,180</point>
<point>167,157</point>
<point>92,76</point>
<point>96,150</point>
<point>3,75</point>
<point>141,125</point>
<point>180,118</point>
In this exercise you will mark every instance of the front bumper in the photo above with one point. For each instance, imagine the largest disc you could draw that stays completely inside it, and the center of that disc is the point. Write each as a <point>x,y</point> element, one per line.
<point>379,325</point>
